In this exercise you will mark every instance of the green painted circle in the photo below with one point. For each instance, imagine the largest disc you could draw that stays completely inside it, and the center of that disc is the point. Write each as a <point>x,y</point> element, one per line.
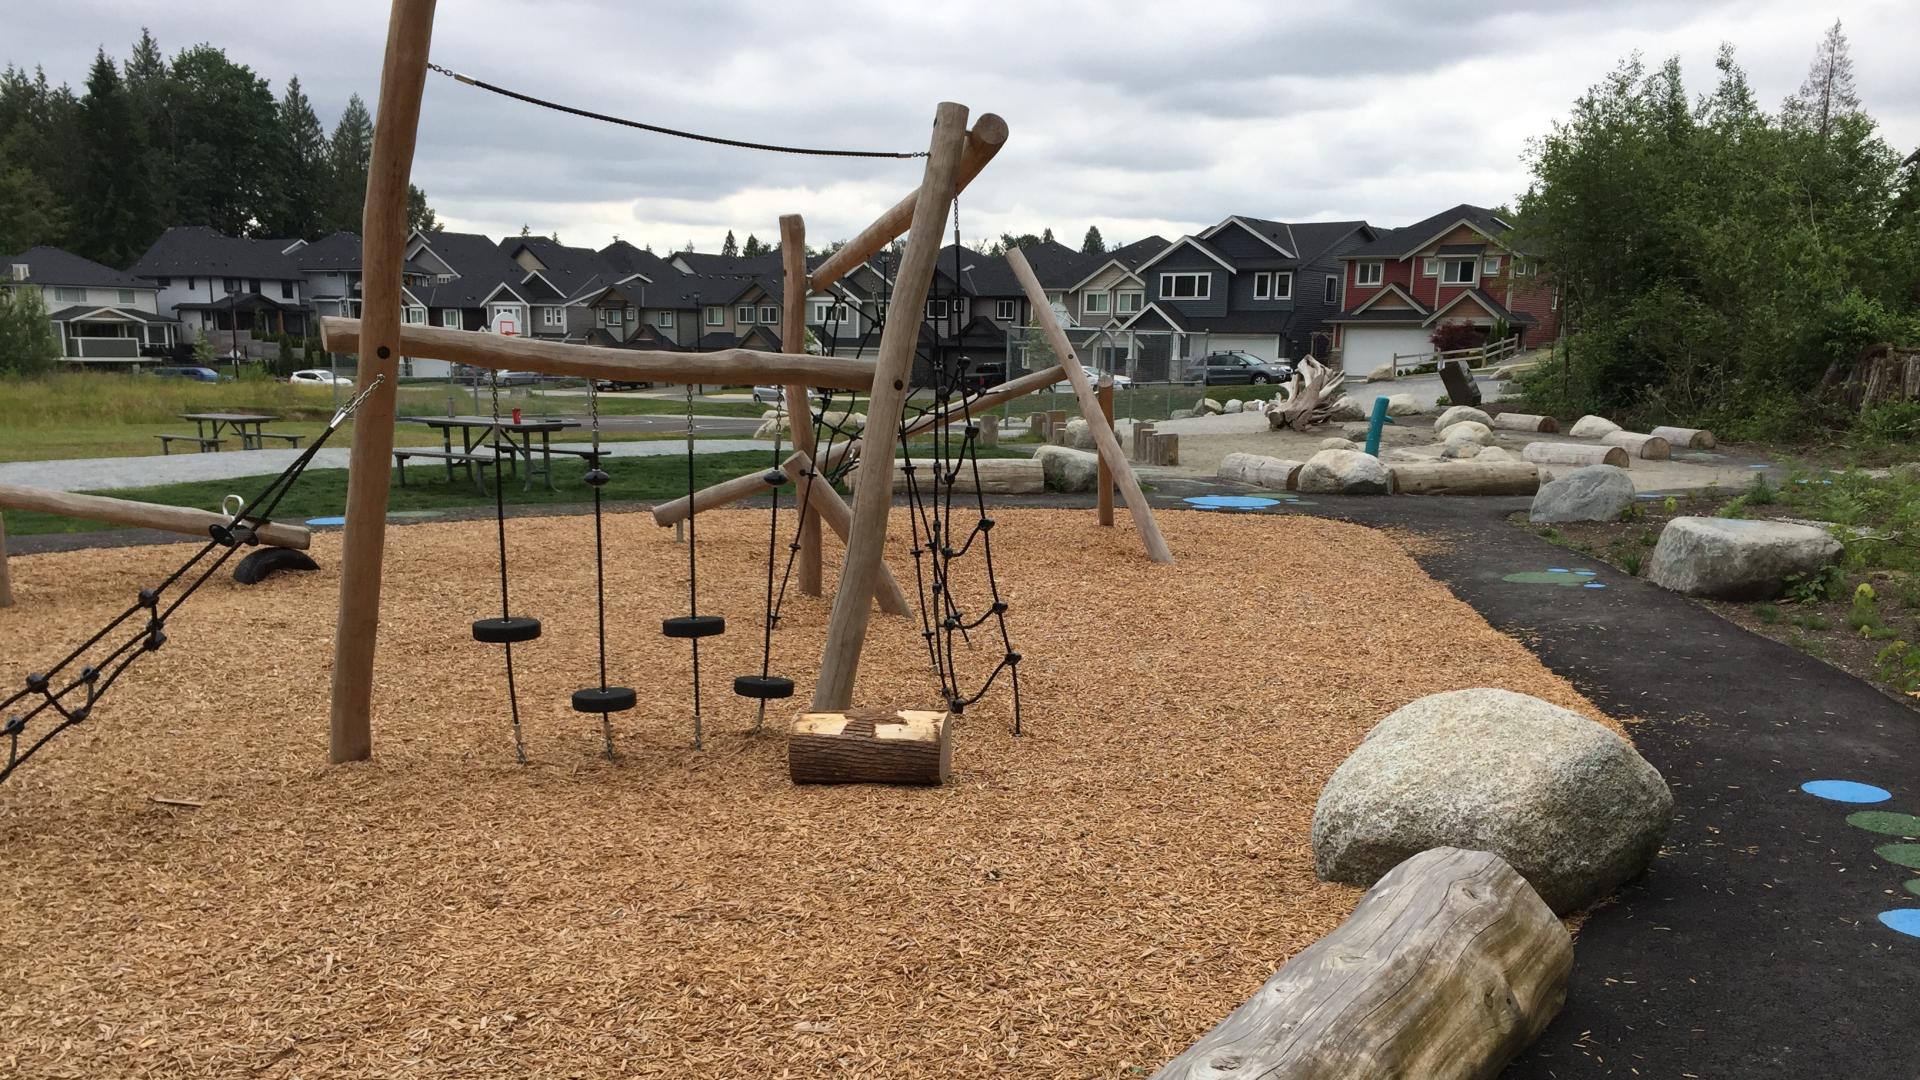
<point>1907,855</point>
<point>1913,886</point>
<point>1886,823</point>
<point>1545,577</point>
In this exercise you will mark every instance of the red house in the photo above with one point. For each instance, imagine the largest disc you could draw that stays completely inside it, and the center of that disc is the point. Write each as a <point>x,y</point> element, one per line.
<point>1451,267</point>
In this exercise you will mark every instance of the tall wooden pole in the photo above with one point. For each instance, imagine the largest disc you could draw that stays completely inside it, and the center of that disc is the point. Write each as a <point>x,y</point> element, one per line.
<point>1104,439</point>
<point>6,576</point>
<point>383,249</point>
<point>1103,509</point>
<point>793,338</point>
<point>867,537</point>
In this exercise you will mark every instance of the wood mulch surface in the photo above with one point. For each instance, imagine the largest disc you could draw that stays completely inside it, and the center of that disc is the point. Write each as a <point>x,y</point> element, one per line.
<point>1083,901</point>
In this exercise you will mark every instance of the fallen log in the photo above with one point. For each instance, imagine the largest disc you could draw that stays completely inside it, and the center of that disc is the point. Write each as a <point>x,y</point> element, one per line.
<point>1551,453</point>
<point>1467,477</point>
<point>870,746</point>
<point>997,476</point>
<point>1450,965</point>
<point>1691,438</point>
<point>178,519</point>
<point>1513,421</point>
<point>1649,447</point>
<point>1276,474</point>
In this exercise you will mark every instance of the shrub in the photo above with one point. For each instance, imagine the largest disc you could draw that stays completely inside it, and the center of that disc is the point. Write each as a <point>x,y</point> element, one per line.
<point>1449,336</point>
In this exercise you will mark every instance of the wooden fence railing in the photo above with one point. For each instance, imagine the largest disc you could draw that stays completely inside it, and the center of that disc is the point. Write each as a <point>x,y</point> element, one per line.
<point>1478,357</point>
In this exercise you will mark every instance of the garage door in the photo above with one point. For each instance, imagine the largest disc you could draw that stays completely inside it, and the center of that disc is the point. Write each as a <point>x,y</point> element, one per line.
<point>1264,346</point>
<point>1368,347</point>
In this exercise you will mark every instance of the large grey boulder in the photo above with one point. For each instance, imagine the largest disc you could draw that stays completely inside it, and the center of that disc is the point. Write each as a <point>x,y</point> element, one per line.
<point>1736,559</point>
<point>1568,803</point>
<point>1591,493</point>
<point>1344,472</point>
<point>1079,435</point>
<point>1067,469</point>
<point>1467,431</point>
<point>1458,413</point>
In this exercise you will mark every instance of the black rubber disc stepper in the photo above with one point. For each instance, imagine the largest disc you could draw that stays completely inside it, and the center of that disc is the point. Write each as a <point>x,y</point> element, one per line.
<point>506,630</point>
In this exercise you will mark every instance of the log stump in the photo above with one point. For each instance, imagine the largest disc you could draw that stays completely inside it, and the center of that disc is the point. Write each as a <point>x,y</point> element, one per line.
<point>1648,447</point>
<point>1691,438</point>
<point>870,746</point>
<point>1548,453</point>
<point>1512,421</point>
<point>1450,966</point>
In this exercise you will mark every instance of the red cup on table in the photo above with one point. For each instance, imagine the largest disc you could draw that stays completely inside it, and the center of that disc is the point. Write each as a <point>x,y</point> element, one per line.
<point>516,416</point>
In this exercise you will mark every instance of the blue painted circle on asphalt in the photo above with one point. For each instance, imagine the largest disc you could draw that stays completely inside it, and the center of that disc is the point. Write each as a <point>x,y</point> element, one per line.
<point>1588,573</point>
<point>1231,502</point>
<point>335,519</point>
<point>1905,920</point>
<point>1846,791</point>
<point>1558,570</point>
<point>1593,585</point>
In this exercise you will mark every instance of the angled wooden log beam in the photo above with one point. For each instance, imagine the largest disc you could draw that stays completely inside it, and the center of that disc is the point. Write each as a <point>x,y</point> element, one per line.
<point>839,517</point>
<point>867,536</point>
<point>989,134</point>
<point>793,338</point>
<point>1104,440</point>
<point>180,519</point>
<point>6,576</point>
<point>727,366</point>
<point>384,231</point>
<point>726,491</point>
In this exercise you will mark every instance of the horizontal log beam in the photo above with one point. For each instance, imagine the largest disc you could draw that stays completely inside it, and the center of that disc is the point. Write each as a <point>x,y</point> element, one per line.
<point>989,134</point>
<point>178,519</point>
<point>727,367</point>
<point>1469,477</point>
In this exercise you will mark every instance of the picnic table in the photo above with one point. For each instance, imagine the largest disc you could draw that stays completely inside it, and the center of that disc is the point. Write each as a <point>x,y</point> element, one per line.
<point>515,438</point>
<point>246,425</point>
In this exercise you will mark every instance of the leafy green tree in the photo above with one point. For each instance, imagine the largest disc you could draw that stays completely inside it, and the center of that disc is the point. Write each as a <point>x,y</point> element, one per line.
<point>28,344</point>
<point>1093,245</point>
<point>421,216</point>
<point>225,118</point>
<point>29,214</point>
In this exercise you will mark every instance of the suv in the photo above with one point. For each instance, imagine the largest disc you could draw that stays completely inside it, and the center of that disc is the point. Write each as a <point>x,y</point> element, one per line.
<point>197,374</point>
<point>1229,368</point>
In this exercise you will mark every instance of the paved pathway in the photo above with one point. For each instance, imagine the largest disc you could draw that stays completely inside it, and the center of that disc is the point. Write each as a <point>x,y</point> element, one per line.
<point>100,474</point>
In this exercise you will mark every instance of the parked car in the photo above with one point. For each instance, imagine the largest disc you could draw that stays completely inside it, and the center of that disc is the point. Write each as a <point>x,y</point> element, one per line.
<point>1231,368</point>
<point>520,378</point>
<point>1064,386</point>
<point>775,395</point>
<point>619,384</point>
<point>318,377</point>
<point>197,374</point>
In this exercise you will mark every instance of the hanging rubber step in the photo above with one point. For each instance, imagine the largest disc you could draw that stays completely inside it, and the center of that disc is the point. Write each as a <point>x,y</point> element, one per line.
<point>603,699</point>
<point>506,630</point>
<point>693,626</point>
<point>763,687</point>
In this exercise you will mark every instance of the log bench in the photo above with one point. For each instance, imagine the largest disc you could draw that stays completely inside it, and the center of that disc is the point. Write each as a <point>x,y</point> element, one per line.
<point>205,443</point>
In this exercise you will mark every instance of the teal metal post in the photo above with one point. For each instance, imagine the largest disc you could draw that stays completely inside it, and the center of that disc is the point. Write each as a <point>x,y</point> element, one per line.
<point>1375,423</point>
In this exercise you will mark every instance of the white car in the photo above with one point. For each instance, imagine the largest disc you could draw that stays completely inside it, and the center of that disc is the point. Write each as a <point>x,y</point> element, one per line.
<point>318,377</point>
<point>1120,382</point>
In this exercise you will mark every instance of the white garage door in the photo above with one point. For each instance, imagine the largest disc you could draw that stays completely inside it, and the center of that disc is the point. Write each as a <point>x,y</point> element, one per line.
<point>1264,346</point>
<point>1368,347</point>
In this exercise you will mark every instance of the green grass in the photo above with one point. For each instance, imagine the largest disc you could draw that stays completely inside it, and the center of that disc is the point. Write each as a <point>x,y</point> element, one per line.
<point>323,492</point>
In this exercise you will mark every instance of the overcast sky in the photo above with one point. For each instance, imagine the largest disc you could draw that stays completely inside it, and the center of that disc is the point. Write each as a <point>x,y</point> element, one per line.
<point>1137,118</point>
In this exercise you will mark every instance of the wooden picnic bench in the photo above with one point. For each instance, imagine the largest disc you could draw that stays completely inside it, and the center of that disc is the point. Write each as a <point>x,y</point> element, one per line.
<point>291,440</point>
<point>206,443</point>
<point>465,458</point>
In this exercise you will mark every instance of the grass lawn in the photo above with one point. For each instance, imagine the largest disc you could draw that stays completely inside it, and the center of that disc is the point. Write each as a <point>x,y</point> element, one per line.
<point>323,492</point>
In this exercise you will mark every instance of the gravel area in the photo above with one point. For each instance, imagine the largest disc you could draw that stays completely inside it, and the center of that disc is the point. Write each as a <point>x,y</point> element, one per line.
<point>1083,901</point>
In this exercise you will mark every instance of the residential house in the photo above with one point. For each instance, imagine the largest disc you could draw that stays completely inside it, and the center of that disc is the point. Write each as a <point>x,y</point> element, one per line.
<point>1113,292</point>
<point>331,265</point>
<point>1246,285</point>
<point>214,284</point>
<point>558,280</point>
<point>1452,267</point>
<point>102,315</point>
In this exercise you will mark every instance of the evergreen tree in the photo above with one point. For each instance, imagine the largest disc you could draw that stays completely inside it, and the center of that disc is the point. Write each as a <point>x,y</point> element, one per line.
<point>728,248</point>
<point>29,214</point>
<point>145,74</point>
<point>300,209</point>
<point>421,216</point>
<point>1828,92</point>
<point>1093,245</point>
<point>526,231</point>
<point>753,247</point>
<point>116,227</point>
<point>349,153</point>
<point>1046,236</point>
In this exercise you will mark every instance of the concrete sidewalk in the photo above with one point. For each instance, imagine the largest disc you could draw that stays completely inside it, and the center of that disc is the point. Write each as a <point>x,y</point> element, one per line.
<point>103,474</point>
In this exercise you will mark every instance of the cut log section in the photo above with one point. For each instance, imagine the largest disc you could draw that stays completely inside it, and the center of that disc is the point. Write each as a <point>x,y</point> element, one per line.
<point>1649,447</point>
<point>1450,965</point>
<point>1553,453</point>
<point>1691,438</point>
<point>1467,477</point>
<point>870,746</point>
<point>1276,474</point>
<point>998,476</point>
<point>1512,421</point>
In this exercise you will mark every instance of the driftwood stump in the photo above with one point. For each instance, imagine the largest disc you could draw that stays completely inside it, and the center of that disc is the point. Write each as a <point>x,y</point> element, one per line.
<point>1450,966</point>
<point>870,746</point>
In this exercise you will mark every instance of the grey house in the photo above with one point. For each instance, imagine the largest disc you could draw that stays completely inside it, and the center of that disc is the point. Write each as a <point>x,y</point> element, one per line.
<point>103,316</point>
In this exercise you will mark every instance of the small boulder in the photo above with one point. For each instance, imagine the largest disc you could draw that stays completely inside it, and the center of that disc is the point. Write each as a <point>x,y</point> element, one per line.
<point>1495,453</point>
<point>1461,451</point>
<point>1402,405</point>
<point>1067,469</point>
<point>1335,444</point>
<point>1568,803</point>
<point>1591,493</point>
<point>1384,371</point>
<point>1401,453</point>
<point>1461,413</point>
<point>1593,427</point>
<point>1389,433</point>
<point>771,426</point>
<point>1210,406</point>
<point>1079,435</point>
<point>1737,559</point>
<point>1468,431</point>
<point>1344,472</point>
<point>1180,414</point>
<point>1234,405</point>
<point>1346,409</point>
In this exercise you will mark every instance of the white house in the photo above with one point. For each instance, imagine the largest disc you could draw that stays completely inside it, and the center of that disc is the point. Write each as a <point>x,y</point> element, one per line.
<point>103,316</point>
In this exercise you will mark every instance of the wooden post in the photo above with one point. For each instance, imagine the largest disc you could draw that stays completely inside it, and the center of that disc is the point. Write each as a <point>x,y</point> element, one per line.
<point>867,537</point>
<point>793,338</point>
<point>383,249</point>
<point>1104,440</point>
<point>6,575</point>
<point>1103,508</point>
<point>839,517</point>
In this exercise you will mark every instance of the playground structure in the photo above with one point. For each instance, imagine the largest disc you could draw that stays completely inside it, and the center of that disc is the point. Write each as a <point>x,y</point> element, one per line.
<point>956,155</point>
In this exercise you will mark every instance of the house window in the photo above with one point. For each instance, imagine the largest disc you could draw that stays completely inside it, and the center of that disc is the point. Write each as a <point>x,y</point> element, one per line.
<point>769,314</point>
<point>416,316</point>
<point>610,317</point>
<point>663,319</point>
<point>633,316</point>
<point>1430,267</point>
<point>1003,310</point>
<point>1273,285</point>
<point>1129,302</point>
<point>960,309</point>
<point>936,309</point>
<point>253,284</point>
<point>1263,286</point>
<point>76,296</point>
<point>743,314</point>
<point>1187,286</point>
<point>1332,290</point>
<point>552,316</point>
<point>126,296</point>
<point>450,318</point>
<point>1459,271</point>
<point>825,311</point>
<point>1522,268</point>
<point>1095,303</point>
<point>1490,266</point>
<point>716,316</point>
<point>165,283</point>
<point>230,284</point>
<point>1368,273</point>
<point>286,290</point>
<point>21,270</point>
